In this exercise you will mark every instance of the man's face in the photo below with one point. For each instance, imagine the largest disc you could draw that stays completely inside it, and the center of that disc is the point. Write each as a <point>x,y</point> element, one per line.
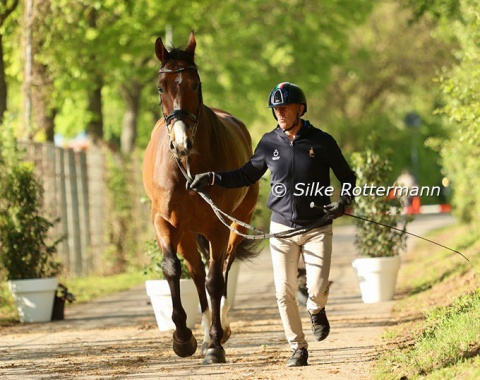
<point>288,115</point>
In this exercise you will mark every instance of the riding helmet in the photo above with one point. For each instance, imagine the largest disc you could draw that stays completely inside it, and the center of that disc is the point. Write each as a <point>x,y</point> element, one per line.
<point>286,93</point>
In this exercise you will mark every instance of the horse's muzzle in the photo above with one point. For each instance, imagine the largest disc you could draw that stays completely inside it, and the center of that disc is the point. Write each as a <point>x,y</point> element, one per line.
<point>181,140</point>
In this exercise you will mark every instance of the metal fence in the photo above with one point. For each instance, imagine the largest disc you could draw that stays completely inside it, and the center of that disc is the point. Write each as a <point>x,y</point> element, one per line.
<point>76,195</point>
<point>74,185</point>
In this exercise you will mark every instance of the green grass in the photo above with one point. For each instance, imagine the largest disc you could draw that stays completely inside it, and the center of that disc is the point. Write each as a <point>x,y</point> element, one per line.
<point>83,288</point>
<point>87,288</point>
<point>439,333</point>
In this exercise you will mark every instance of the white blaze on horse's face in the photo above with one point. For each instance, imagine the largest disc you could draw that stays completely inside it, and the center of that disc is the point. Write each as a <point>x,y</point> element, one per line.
<point>180,135</point>
<point>179,79</point>
<point>180,99</point>
<point>180,139</point>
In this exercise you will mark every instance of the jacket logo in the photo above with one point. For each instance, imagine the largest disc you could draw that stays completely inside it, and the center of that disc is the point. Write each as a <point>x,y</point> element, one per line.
<point>276,155</point>
<point>311,152</point>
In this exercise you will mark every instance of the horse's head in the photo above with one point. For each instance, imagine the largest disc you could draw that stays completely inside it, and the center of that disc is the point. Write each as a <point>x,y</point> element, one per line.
<point>180,92</point>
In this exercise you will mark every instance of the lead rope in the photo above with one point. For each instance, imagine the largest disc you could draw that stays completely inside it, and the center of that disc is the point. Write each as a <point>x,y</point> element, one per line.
<point>258,234</point>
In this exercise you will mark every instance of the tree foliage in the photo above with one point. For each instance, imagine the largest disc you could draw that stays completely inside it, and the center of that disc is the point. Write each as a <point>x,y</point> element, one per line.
<point>389,73</point>
<point>363,65</point>
<point>105,49</point>
<point>462,107</point>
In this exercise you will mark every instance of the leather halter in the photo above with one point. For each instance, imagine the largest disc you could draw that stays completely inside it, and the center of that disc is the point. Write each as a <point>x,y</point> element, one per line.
<point>179,114</point>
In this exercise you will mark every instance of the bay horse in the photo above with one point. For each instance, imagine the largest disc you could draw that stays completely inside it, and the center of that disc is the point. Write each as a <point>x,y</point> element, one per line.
<point>193,138</point>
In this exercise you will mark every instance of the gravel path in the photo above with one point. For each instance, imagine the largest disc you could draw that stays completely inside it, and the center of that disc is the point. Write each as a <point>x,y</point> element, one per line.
<point>116,337</point>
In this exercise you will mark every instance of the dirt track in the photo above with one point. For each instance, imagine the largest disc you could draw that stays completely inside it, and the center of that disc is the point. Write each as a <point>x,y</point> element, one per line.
<point>117,337</point>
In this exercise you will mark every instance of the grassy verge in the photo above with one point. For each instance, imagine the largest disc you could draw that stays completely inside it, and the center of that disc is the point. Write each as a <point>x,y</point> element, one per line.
<point>83,288</point>
<point>438,330</point>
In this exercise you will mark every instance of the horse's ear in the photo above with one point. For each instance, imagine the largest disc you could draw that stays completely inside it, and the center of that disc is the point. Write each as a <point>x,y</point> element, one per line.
<point>191,44</point>
<point>160,51</point>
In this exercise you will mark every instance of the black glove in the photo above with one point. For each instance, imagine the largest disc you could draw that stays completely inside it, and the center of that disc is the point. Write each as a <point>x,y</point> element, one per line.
<point>200,180</point>
<point>337,209</point>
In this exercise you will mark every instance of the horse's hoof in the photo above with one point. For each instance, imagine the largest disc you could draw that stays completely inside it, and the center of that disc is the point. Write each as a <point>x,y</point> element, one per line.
<point>184,349</point>
<point>226,335</point>
<point>215,356</point>
<point>204,348</point>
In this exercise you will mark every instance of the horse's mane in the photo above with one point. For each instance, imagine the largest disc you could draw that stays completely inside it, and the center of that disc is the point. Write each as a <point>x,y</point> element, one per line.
<point>177,54</point>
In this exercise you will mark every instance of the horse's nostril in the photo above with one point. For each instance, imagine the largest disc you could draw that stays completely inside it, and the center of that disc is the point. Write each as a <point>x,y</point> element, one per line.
<point>172,147</point>
<point>189,144</point>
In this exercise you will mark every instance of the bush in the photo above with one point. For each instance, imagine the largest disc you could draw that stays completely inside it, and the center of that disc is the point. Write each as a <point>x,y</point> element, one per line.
<point>373,240</point>
<point>24,248</point>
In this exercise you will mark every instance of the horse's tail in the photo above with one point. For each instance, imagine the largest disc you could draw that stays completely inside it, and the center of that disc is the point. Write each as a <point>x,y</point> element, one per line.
<point>248,249</point>
<point>204,247</point>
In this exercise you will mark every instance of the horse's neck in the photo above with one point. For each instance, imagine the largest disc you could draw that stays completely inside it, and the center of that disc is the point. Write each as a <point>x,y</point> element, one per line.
<point>208,123</point>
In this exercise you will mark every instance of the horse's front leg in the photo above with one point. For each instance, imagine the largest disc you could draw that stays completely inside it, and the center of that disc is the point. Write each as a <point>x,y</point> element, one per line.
<point>188,249</point>
<point>184,343</point>
<point>215,286</point>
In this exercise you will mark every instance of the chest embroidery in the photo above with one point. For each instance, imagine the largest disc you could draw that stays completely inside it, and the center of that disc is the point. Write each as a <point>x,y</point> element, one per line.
<point>311,152</point>
<point>276,155</point>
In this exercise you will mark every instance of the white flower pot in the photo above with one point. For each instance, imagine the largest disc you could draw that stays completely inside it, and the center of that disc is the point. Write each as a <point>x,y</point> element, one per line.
<point>232,282</point>
<point>159,293</point>
<point>377,277</point>
<point>34,298</point>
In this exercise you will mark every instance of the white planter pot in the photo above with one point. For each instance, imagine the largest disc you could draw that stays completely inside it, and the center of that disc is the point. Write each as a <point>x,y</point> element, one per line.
<point>377,277</point>
<point>232,282</point>
<point>34,298</point>
<point>159,293</point>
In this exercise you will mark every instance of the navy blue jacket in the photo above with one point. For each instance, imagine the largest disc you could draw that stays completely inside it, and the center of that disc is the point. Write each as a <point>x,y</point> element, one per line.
<point>300,173</point>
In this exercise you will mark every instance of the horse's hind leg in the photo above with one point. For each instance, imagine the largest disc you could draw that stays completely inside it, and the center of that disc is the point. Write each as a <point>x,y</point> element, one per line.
<point>184,343</point>
<point>225,308</point>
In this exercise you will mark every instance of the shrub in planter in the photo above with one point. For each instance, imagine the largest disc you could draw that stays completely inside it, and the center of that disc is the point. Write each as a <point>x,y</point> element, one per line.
<point>25,250</point>
<point>378,246</point>
<point>26,254</point>
<point>373,240</point>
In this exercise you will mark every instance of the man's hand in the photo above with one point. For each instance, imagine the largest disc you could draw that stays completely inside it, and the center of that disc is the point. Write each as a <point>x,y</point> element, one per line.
<point>200,180</point>
<point>336,209</point>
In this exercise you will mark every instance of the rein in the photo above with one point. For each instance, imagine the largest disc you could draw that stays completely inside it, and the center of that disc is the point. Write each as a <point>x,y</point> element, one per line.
<point>257,234</point>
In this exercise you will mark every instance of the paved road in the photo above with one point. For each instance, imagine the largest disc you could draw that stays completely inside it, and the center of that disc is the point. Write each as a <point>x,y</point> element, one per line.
<point>116,337</point>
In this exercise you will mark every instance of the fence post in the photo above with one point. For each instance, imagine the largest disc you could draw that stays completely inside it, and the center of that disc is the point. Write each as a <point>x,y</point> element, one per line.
<point>64,252</point>
<point>84,225</point>
<point>74,244</point>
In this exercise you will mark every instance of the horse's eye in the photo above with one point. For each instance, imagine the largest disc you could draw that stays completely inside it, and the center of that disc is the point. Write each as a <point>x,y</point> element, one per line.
<point>160,90</point>
<point>196,86</point>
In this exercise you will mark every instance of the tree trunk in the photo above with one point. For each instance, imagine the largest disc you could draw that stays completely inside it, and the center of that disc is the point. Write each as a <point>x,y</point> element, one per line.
<point>94,95</point>
<point>3,83</point>
<point>6,11</point>
<point>95,125</point>
<point>42,83</point>
<point>43,113</point>
<point>131,95</point>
